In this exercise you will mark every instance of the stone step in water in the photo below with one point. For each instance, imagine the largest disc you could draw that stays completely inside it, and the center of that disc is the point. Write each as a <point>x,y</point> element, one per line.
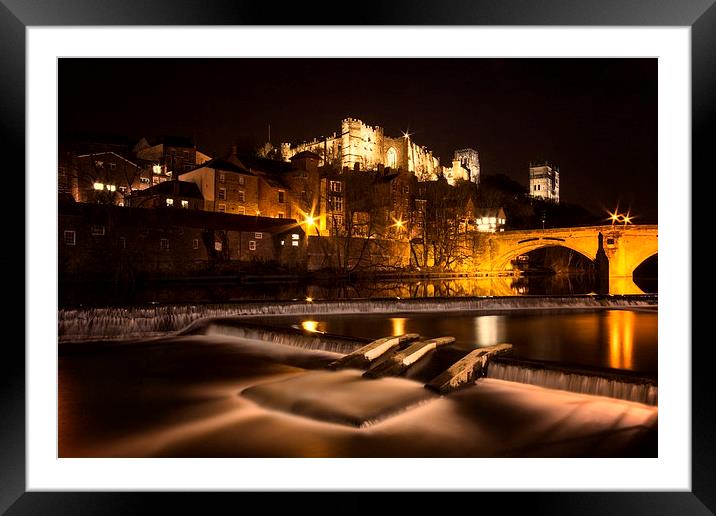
<point>466,370</point>
<point>402,360</point>
<point>363,357</point>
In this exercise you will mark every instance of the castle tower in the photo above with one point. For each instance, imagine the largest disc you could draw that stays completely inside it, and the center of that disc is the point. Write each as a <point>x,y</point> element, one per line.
<point>469,159</point>
<point>544,182</point>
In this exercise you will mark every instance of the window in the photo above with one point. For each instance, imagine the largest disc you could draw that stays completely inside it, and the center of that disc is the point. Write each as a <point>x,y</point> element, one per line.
<point>337,204</point>
<point>281,196</point>
<point>112,166</point>
<point>69,237</point>
<point>195,243</point>
<point>294,243</point>
<point>222,194</point>
<point>241,210</point>
<point>164,244</point>
<point>97,230</point>
<point>170,202</point>
<point>295,236</point>
<point>279,215</point>
<point>252,245</point>
<point>185,204</point>
<point>156,180</point>
<point>221,208</point>
<point>242,196</point>
<point>98,186</point>
<point>258,236</point>
<point>241,180</point>
<point>222,177</point>
<point>144,180</point>
<point>335,186</point>
<point>123,189</point>
<point>188,166</point>
<point>122,242</point>
<point>283,242</point>
<point>156,169</point>
<point>218,246</point>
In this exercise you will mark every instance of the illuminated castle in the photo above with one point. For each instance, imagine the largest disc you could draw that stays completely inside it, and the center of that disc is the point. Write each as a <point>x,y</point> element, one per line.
<point>364,147</point>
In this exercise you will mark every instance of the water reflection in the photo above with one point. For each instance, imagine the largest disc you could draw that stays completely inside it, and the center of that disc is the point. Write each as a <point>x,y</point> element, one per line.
<point>488,329</point>
<point>619,339</point>
<point>620,328</point>
<point>398,324</point>
<point>557,284</point>
<point>311,326</point>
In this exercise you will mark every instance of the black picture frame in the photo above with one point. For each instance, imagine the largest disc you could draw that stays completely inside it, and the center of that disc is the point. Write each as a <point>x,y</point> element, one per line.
<point>17,15</point>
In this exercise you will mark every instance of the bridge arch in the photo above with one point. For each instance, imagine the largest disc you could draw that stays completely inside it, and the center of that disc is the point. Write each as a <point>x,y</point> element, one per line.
<point>504,260</point>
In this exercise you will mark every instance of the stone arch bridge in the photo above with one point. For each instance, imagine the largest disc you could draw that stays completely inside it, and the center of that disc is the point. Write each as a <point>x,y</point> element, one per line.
<point>626,248</point>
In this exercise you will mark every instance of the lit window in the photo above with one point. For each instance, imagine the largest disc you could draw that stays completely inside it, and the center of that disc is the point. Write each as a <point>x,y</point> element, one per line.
<point>294,243</point>
<point>241,210</point>
<point>337,203</point>
<point>222,193</point>
<point>493,220</point>
<point>164,244</point>
<point>99,186</point>
<point>195,243</point>
<point>218,246</point>
<point>279,215</point>
<point>185,204</point>
<point>242,196</point>
<point>335,186</point>
<point>144,180</point>
<point>281,196</point>
<point>156,169</point>
<point>258,236</point>
<point>241,180</point>
<point>69,237</point>
<point>222,177</point>
<point>111,188</point>
<point>252,245</point>
<point>98,230</point>
<point>170,202</point>
<point>221,208</point>
<point>283,242</point>
<point>295,236</point>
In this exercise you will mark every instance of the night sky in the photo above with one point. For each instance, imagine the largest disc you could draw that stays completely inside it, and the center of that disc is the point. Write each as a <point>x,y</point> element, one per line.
<point>595,118</point>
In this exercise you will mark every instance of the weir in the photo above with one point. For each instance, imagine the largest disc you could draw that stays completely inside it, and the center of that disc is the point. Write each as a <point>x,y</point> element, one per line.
<point>597,383</point>
<point>117,323</point>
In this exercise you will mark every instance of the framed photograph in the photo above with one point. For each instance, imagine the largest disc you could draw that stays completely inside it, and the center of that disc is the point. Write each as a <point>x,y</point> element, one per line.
<point>269,250</point>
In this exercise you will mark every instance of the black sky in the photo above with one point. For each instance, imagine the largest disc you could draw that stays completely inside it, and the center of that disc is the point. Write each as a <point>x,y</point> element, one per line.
<point>595,118</point>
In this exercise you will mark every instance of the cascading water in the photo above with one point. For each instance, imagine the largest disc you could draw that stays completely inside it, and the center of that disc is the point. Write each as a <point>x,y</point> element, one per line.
<point>135,322</point>
<point>627,388</point>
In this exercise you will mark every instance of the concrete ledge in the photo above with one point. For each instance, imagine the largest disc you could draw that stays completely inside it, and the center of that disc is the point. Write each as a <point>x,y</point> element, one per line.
<point>402,360</point>
<point>466,370</point>
<point>362,358</point>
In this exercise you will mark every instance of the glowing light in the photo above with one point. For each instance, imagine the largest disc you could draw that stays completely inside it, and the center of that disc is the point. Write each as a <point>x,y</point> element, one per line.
<point>398,325</point>
<point>311,326</point>
<point>309,220</point>
<point>309,300</point>
<point>99,186</point>
<point>400,224</point>
<point>157,169</point>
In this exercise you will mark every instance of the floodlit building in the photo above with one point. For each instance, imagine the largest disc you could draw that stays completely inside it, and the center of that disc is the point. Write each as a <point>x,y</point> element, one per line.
<point>544,182</point>
<point>359,146</point>
<point>490,220</point>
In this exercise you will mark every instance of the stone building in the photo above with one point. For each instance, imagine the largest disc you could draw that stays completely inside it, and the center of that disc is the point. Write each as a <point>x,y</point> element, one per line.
<point>168,194</point>
<point>359,146</point>
<point>104,241</point>
<point>103,177</point>
<point>544,182</point>
<point>470,160</point>
<point>168,157</point>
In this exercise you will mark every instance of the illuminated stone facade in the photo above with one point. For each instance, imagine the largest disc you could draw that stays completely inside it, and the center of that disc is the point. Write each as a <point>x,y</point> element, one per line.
<point>359,146</point>
<point>544,182</point>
